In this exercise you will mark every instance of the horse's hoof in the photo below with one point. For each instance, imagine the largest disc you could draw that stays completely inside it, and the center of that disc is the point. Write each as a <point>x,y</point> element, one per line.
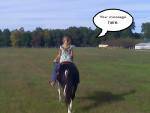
<point>59,98</point>
<point>69,111</point>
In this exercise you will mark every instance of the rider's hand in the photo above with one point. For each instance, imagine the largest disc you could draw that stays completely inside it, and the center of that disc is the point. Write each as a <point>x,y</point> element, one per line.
<point>49,62</point>
<point>55,60</point>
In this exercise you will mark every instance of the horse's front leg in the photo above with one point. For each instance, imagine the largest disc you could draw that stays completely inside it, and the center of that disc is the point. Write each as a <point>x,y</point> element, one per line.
<point>59,92</point>
<point>70,107</point>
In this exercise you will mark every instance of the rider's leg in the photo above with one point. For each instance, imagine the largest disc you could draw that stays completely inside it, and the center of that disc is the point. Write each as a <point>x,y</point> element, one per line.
<point>54,73</point>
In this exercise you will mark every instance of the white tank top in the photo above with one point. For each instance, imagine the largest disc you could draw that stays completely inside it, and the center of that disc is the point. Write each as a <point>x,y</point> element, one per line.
<point>65,54</point>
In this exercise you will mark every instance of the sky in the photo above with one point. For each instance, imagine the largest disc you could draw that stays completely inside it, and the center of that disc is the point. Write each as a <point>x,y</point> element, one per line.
<point>60,14</point>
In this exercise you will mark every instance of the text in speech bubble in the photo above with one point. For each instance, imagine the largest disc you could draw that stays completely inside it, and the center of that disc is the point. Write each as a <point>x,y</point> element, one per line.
<point>112,20</point>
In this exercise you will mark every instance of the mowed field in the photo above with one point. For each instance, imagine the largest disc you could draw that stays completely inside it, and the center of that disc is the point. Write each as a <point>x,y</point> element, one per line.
<point>112,81</point>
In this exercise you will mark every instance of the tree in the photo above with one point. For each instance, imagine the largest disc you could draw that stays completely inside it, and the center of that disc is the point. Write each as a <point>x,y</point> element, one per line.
<point>137,36</point>
<point>25,39</point>
<point>76,35</point>
<point>6,36</point>
<point>94,40</point>
<point>81,36</point>
<point>57,37</point>
<point>85,35</point>
<point>1,39</point>
<point>146,30</point>
<point>38,38</point>
<point>15,38</point>
<point>128,32</point>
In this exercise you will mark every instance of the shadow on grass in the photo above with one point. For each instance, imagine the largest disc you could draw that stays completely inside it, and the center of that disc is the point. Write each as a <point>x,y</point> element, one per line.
<point>98,98</point>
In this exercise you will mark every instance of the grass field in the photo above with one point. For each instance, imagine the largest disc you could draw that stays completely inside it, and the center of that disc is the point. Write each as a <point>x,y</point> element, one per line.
<point>112,81</point>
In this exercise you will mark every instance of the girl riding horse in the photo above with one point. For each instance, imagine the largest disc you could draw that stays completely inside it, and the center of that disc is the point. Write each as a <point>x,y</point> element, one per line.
<point>65,72</point>
<point>65,55</point>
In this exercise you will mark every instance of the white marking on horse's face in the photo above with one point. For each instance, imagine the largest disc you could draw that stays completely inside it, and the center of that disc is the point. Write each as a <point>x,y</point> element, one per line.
<point>66,72</point>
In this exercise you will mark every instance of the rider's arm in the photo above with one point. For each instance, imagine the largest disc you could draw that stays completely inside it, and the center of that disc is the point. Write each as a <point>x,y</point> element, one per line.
<point>72,54</point>
<point>57,58</point>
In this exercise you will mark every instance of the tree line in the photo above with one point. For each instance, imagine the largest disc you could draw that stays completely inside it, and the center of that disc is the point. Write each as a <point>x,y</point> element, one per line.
<point>81,36</point>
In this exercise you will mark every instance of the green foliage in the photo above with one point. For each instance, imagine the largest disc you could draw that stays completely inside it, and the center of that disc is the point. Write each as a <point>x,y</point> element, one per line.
<point>81,36</point>
<point>25,40</point>
<point>124,42</point>
<point>146,30</point>
<point>47,38</point>
<point>37,38</point>
<point>5,38</point>
<point>15,41</point>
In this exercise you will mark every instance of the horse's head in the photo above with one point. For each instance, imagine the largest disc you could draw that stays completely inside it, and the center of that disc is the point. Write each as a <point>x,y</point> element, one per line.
<point>68,74</point>
<point>63,74</point>
<point>65,77</point>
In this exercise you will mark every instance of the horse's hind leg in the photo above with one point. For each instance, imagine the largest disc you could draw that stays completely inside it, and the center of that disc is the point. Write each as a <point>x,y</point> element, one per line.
<point>59,92</point>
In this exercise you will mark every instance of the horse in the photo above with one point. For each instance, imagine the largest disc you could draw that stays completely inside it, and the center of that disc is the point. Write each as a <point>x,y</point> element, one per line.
<point>67,80</point>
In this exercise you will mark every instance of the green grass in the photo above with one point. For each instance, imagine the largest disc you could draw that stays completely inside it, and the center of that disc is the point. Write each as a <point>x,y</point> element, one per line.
<point>112,81</point>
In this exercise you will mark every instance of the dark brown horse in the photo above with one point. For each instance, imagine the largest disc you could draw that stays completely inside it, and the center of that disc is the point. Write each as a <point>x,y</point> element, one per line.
<point>68,80</point>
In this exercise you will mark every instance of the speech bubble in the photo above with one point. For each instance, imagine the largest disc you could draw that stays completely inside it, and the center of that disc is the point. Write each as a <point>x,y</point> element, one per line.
<point>112,20</point>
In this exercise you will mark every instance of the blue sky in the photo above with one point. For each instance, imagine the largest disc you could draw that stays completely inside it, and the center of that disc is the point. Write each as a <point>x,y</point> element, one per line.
<point>64,13</point>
